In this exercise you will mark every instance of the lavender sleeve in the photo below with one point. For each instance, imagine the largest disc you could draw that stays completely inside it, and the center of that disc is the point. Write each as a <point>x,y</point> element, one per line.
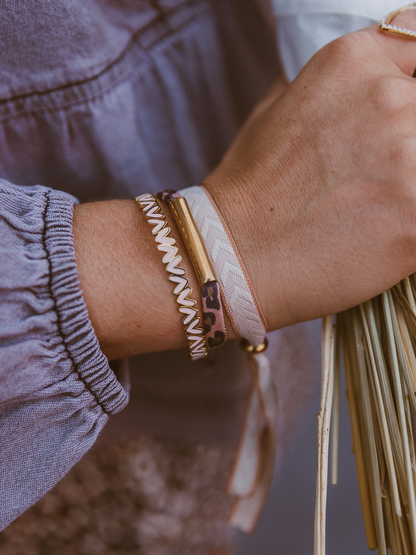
<point>56,387</point>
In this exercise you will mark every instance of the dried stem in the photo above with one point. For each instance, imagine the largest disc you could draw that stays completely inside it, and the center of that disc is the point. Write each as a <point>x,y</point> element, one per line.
<point>324,419</point>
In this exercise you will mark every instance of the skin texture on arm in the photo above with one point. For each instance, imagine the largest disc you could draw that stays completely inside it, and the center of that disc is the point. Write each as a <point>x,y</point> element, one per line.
<point>125,285</point>
<point>318,189</point>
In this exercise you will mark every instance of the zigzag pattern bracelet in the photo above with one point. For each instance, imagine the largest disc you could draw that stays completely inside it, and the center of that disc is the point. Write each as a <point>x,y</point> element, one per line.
<point>212,310</point>
<point>166,244</point>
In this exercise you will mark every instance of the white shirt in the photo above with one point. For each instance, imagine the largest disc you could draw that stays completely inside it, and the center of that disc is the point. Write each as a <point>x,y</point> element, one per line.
<point>373,9</point>
<point>305,26</point>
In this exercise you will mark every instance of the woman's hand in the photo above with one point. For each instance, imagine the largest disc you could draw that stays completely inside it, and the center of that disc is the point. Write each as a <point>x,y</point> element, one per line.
<point>319,188</point>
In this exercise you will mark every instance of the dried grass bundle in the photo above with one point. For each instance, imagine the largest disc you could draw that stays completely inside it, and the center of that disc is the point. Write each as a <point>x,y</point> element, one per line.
<point>378,341</point>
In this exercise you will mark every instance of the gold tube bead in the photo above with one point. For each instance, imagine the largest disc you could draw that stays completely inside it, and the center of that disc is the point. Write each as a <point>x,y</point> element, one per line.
<point>192,240</point>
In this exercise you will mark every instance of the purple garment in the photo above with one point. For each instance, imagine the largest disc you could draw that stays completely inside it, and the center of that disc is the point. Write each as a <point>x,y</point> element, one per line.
<point>111,98</point>
<point>56,387</point>
<point>98,98</point>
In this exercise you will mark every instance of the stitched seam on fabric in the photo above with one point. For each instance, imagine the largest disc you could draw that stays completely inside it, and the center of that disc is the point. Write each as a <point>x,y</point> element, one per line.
<point>55,306</point>
<point>130,44</point>
<point>236,252</point>
<point>78,102</point>
<point>35,112</point>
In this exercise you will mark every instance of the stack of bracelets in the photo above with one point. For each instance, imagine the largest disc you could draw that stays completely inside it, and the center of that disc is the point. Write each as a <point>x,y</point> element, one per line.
<point>224,283</point>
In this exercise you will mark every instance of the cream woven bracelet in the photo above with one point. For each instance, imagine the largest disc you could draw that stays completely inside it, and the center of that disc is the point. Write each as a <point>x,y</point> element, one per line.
<point>252,473</point>
<point>239,298</point>
<point>166,244</point>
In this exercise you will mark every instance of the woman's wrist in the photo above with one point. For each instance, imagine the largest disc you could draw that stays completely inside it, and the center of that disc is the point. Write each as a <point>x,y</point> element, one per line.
<point>249,221</point>
<point>125,286</point>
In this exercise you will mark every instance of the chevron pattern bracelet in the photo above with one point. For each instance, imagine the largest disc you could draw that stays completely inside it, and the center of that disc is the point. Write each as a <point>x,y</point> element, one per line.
<point>239,297</point>
<point>252,472</point>
<point>182,291</point>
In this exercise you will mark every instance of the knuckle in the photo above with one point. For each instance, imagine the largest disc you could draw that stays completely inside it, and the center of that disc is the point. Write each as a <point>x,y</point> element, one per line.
<point>351,49</point>
<point>392,96</point>
<point>347,56</point>
<point>340,51</point>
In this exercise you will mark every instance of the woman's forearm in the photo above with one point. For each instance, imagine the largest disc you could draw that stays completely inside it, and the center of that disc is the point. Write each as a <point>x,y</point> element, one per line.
<point>126,288</point>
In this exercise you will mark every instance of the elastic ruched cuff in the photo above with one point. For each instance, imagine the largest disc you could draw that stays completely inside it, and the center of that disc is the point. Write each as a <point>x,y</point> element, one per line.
<point>80,342</point>
<point>56,386</point>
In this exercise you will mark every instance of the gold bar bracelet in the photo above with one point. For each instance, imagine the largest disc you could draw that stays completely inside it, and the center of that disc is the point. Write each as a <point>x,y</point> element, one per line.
<point>193,240</point>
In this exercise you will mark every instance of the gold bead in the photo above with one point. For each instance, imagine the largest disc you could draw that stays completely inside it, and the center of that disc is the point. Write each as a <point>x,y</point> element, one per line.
<point>254,349</point>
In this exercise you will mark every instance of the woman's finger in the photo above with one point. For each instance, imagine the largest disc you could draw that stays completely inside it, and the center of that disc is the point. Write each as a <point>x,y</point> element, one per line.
<point>401,49</point>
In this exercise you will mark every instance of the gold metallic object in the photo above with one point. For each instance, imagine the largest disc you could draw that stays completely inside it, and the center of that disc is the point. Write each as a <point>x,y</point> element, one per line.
<point>254,349</point>
<point>385,24</point>
<point>193,240</point>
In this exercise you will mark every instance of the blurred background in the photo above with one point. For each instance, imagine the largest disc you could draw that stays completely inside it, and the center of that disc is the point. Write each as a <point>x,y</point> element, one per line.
<point>133,494</point>
<point>286,526</point>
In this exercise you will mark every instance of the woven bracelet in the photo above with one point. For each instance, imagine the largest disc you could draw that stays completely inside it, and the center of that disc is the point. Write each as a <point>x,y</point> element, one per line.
<point>252,473</point>
<point>213,315</point>
<point>182,291</point>
<point>239,297</point>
